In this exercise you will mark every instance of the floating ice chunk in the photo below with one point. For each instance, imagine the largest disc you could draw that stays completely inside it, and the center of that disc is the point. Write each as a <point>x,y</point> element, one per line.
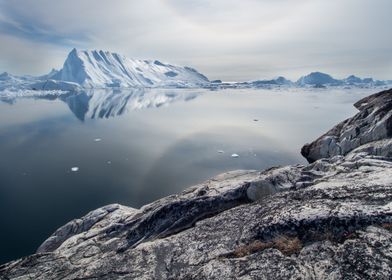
<point>109,162</point>
<point>74,169</point>
<point>97,140</point>
<point>221,151</point>
<point>235,156</point>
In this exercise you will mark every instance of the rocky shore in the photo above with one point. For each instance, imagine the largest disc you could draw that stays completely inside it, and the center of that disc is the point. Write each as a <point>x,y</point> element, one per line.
<point>331,219</point>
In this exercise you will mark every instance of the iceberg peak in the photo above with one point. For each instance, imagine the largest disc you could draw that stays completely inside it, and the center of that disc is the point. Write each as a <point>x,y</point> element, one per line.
<point>100,69</point>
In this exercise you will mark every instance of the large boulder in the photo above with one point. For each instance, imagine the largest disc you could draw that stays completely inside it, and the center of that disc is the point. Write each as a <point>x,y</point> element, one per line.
<point>372,123</point>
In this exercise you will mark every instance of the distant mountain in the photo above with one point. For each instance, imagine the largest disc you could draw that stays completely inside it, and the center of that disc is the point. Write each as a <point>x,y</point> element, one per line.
<point>102,69</point>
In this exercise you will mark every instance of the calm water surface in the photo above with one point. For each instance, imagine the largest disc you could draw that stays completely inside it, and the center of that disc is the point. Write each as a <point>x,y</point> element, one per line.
<point>135,146</point>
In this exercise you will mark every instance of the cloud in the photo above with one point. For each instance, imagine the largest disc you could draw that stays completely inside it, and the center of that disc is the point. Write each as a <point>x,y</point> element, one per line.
<point>233,40</point>
<point>22,56</point>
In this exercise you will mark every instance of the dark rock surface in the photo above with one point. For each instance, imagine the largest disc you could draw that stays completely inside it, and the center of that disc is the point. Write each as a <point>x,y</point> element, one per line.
<point>331,219</point>
<point>372,123</point>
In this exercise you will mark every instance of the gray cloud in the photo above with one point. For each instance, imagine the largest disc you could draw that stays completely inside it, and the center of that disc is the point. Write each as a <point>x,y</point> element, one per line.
<point>232,40</point>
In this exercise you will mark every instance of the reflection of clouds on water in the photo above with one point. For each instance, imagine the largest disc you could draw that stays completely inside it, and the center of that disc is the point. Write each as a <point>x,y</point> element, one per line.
<point>176,165</point>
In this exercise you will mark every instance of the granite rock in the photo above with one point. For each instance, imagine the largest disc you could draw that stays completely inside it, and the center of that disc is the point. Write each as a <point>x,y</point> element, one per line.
<point>372,123</point>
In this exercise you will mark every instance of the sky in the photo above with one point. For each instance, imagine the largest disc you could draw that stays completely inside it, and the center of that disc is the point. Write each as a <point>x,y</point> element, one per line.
<point>223,39</point>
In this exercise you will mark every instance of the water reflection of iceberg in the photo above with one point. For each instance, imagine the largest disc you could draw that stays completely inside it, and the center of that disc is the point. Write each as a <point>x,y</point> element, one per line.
<point>106,103</point>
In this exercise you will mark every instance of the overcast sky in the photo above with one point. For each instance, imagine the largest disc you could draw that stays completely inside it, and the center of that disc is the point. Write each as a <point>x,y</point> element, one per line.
<point>224,39</point>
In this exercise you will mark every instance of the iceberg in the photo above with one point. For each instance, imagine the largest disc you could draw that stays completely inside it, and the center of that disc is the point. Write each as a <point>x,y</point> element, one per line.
<point>102,69</point>
<point>318,79</point>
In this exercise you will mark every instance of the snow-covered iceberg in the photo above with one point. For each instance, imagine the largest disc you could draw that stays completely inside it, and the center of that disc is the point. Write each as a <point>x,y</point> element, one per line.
<point>279,81</point>
<point>311,80</point>
<point>102,69</point>
<point>12,82</point>
<point>55,85</point>
<point>318,79</point>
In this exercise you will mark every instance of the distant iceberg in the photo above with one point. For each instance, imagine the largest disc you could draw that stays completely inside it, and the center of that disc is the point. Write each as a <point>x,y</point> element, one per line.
<point>318,79</point>
<point>279,81</point>
<point>312,80</point>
